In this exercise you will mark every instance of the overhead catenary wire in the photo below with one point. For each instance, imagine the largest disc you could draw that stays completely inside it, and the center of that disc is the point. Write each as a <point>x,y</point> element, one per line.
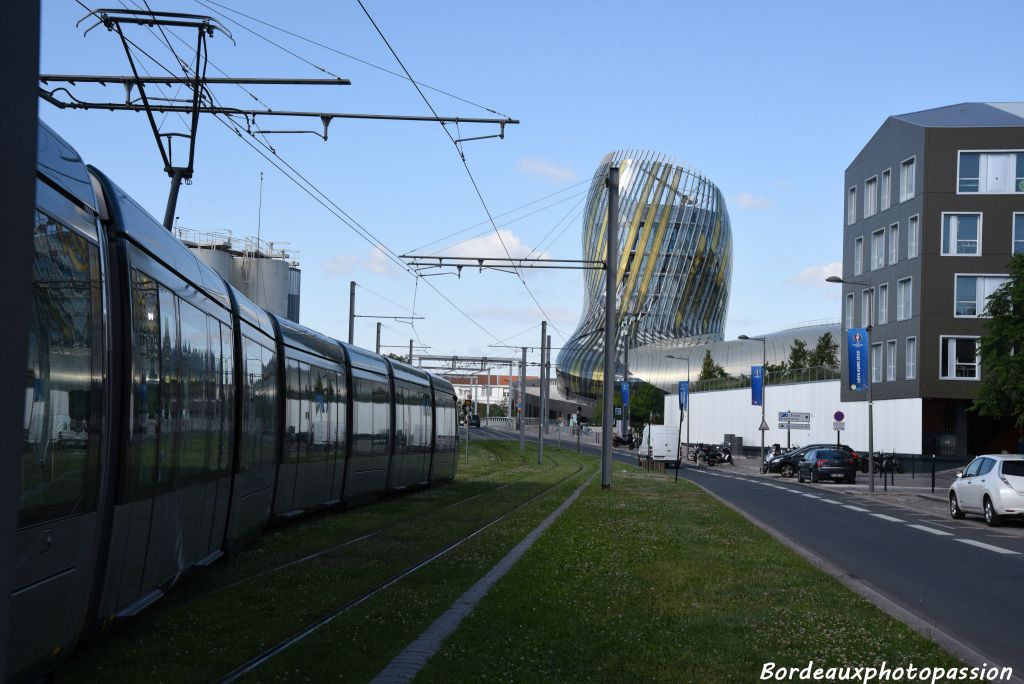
<point>465,164</point>
<point>348,56</point>
<point>312,190</point>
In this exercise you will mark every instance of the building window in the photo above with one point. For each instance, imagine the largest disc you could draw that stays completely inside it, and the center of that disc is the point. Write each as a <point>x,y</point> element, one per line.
<point>907,170</point>
<point>882,306</point>
<point>871,196</point>
<point>878,249</point>
<point>851,206</point>
<point>961,234</point>
<point>904,299</point>
<point>991,172</point>
<point>886,189</point>
<point>849,311</point>
<point>1018,234</point>
<point>894,243</point>
<point>972,293</point>
<point>876,362</point>
<point>890,360</point>
<point>865,308</point>
<point>959,358</point>
<point>911,368</point>
<point>858,256</point>
<point>912,236</point>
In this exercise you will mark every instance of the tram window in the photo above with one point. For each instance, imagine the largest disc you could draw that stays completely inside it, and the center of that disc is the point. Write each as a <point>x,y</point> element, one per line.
<point>321,397</point>
<point>63,408</point>
<point>293,434</point>
<point>226,388</point>
<point>193,446</point>
<point>370,417</point>
<point>170,391</point>
<point>258,419</point>
<point>146,376</point>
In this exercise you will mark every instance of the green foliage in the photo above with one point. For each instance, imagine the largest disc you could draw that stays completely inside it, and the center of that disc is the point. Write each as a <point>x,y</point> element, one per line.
<point>644,399</point>
<point>770,368</point>
<point>798,355</point>
<point>709,370</point>
<point>1001,392</point>
<point>826,353</point>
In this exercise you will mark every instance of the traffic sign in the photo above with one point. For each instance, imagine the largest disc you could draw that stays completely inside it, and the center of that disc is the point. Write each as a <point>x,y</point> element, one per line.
<point>764,425</point>
<point>839,425</point>
<point>794,417</point>
<point>838,416</point>
<point>794,426</point>
<point>618,411</point>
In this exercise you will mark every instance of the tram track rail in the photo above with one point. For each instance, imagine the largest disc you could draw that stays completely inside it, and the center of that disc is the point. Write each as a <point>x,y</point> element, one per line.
<point>267,654</point>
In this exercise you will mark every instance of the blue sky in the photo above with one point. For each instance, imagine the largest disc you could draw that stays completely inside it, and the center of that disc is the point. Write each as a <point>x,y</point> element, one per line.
<point>770,100</point>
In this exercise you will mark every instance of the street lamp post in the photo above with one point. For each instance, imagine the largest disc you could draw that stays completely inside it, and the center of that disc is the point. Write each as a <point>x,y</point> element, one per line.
<point>687,360</point>
<point>871,374</point>
<point>764,382</point>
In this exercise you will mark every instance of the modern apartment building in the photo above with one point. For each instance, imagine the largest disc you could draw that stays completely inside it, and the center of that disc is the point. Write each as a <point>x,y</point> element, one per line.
<point>934,209</point>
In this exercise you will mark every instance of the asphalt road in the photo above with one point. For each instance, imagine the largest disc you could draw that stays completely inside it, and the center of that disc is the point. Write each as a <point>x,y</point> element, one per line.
<point>959,576</point>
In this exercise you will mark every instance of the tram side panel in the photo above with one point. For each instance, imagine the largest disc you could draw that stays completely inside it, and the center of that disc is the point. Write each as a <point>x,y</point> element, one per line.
<point>65,408</point>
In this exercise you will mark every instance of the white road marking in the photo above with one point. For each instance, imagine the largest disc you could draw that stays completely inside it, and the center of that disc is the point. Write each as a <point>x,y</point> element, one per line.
<point>837,503</point>
<point>812,496</point>
<point>983,545</point>
<point>856,508</point>
<point>886,517</point>
<point>931,530</point>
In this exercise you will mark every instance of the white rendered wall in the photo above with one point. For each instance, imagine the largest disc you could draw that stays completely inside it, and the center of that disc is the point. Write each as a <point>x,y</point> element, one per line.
<point>716,414</point>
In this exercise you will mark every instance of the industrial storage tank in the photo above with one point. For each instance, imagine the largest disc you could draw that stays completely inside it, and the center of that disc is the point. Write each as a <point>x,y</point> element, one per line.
<point>264,273</point>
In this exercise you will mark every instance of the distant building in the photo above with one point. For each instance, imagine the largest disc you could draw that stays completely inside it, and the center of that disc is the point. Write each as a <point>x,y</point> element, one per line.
<point>934,210</point>
<point>674,270</point>
<point>264,273</point>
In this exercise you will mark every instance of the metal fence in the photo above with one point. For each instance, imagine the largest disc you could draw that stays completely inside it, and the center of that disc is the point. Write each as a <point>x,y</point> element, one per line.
<point>784,377</point>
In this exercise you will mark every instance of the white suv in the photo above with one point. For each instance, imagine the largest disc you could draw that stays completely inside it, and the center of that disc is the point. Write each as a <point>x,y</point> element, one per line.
<point>992,485</point>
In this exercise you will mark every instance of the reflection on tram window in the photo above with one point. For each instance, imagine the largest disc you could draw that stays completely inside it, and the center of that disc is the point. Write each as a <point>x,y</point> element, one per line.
<point>62,418</point>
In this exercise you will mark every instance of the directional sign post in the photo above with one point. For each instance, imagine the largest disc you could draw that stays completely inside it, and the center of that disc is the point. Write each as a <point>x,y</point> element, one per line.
<point>838,424</point>
<point>793,420</point>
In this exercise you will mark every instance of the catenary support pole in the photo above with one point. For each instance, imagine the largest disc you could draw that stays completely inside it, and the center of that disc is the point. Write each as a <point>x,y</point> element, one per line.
<point>625,378</point>
<point>351,311</point>
<point>410,352</point>
<point>540,402</point>
<point>522,401</point>
<point>378,337</point>
<point>547,384</point>
<point>609,326</point>
<point>20,56</point>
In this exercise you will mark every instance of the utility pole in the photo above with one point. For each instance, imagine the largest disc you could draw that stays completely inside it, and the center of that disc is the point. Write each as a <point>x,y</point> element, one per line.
<point>20,50</point>
<point>609,326</point>
<point>540,422</point>
<point>378,337</point>
<point>522,401</point>
<point>351,311</point>
<point>625,379</point>
<point>547,378</point>
<point>410,352</point>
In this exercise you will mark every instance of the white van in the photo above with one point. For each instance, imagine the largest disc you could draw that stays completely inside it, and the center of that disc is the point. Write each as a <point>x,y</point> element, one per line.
<point>660,443</point>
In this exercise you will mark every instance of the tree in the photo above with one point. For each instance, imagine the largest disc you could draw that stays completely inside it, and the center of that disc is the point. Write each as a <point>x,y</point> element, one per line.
<point>709,370</point>
<point>644,399</point>
<point>1001,391</point>
<point>826,353</point>
<point>798,356</point>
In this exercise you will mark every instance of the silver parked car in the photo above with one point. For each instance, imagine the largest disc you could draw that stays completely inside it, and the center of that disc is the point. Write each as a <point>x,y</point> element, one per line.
<point>992,485</point>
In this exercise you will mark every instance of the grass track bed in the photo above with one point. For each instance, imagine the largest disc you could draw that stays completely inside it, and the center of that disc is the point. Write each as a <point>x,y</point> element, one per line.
<point>204,637</point>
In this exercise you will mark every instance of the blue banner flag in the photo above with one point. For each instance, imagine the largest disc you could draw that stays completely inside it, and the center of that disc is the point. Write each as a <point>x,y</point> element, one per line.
<point>756,385</point>
<point>857,349</point>
<point>625,394</point>
<point>684,395</point>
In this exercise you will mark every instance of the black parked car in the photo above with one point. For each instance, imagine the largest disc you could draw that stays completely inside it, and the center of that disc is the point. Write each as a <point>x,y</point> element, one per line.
<point>828,463</point>
<point>788,463</point>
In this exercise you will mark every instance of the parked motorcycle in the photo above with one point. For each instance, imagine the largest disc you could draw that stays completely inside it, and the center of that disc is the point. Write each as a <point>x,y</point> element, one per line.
<point>629,441</point>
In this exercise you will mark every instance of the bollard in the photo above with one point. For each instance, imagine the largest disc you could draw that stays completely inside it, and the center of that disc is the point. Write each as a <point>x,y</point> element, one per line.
<point>913,466</point>
<point>933,473</point>
<point>885,477</point>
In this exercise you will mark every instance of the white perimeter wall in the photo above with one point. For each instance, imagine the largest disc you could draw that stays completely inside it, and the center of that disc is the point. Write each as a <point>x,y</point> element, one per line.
<point>716,414</point>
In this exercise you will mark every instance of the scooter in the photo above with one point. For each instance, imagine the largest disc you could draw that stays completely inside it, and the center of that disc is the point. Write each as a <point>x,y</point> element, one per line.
<point>629,441</point>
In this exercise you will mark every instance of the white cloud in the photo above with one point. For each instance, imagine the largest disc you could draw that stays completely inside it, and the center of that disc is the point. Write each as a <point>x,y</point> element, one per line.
<point>745,200</point>
<point>491,246</point>
<point>340,265</point>
<point>539,167</point>
<point>346,264</point>
<point>815,275</point>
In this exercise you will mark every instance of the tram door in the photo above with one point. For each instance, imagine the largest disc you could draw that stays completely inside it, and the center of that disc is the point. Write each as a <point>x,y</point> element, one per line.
<point>55,544</point>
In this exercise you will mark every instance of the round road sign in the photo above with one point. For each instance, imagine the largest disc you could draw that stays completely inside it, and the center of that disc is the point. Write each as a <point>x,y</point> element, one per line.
<point>838,415</point>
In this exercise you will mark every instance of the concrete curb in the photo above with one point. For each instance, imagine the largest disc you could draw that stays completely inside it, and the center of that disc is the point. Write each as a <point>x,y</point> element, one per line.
<point>922,626</point>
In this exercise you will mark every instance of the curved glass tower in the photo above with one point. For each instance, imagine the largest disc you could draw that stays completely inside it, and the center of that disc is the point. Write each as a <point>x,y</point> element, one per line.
<point>674,270</point>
